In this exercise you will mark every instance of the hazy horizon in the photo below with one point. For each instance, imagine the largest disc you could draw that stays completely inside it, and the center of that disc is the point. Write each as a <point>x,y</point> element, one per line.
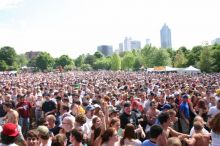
<point>75,27</point>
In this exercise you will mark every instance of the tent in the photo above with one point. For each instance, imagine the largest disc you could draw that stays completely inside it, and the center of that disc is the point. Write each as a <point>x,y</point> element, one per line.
<point>191,69</point>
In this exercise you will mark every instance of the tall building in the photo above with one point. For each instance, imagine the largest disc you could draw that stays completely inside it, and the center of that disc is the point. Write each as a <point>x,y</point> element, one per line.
<point>135,44</point>
<point>130,44</point>
<point>165,37</point>
<point>121,47</point>
<point>216,41</point>
<point>148,42</point>
<point>105,50</point>
<point>127,46</point>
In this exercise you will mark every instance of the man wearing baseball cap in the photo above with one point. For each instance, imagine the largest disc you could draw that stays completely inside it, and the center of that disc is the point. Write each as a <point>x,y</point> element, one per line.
<point>9,135</point>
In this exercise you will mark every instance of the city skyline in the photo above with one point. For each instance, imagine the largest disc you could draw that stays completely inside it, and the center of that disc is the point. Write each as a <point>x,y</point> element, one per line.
<point>78,27</point>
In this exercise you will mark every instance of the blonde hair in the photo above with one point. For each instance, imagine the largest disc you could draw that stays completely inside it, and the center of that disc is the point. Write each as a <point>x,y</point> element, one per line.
<point>51,117</point>
<point>174,141</point>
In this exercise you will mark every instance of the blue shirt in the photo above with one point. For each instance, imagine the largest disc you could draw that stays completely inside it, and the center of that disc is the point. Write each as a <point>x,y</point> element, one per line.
<point>148,143</point>
<point>184,107</point>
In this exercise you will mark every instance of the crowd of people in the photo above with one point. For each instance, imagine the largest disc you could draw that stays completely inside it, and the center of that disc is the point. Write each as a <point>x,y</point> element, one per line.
<point>106,108</point>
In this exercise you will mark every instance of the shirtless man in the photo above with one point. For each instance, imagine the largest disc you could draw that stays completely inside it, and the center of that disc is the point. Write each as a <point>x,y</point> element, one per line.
<point>12,116</point>
<point>199,138</point>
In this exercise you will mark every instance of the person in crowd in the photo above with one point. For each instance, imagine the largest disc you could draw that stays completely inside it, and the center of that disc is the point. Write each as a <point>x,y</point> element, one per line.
<point>199,119</point>
<point>59,140</point>
<point>51,124</point>
<point>80,120</point>
<point>89,117</point>
<point>185,114</point>
<point>48,106</point>
<point>129,137</point>
<point>67,127</point>
<point>24,109</point>
<point>215,130</point>
<point>44,136</point>
<point>174,141</point>
<point>199,138</point>
<point>9,135</point>
<point>32,138</point>
<point>109,137</point>
<point>128,116</point>
<point>165,122</point>
<point>115,123</point>
<point>156,134</point>
<point>76,138</point>
<point>214,110</point>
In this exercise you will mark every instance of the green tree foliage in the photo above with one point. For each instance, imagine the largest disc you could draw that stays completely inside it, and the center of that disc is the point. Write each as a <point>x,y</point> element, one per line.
<point>21,60</point>
<point>90,59</point>
<point>3,65</point>
<point>194,56</point>
<point>32,62</point>
<point>172,54</point>
<point>128,61</point>
<point>44,61</point>
<point>9,55</point>
<point>160,58</point>
<point>103,63</point>
<point>216,58</point>
<point>205,60</point>
<point>63,61</point>
<point>147,55</point>
<point>98,54</point>
<point>86,67</point>
<point>137,64</point>
<point>115,62</point>
<point>180,59</point>
<point>80,60</point>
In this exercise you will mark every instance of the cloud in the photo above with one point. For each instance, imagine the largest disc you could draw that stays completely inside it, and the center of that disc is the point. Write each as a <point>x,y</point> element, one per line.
<point>7,4</point>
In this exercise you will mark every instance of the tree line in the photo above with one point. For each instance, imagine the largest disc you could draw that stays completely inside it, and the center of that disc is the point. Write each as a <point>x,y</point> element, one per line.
<point>207,58</point>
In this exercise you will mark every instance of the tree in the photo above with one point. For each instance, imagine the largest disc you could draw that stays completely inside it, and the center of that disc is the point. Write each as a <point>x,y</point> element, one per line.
<point>9,55</point>
<point>21,60</point>
<point>180,59</point>
<point>63,61</point>
<point>147,54</point>
<point>172,54</point>
<point>3,65</point>
<point>44,61</point>
<point>90,59</point>
<point>86,67</point>
<point>205,60</point>
<point>194,56</point>
<point>137,64</point>
<point>115,62</point>
<point>161,58</point>
<point>127,61</point>
<point>98,54</point>
<point>103,63</point>
<point>80,60</point>
<point>216,58</point>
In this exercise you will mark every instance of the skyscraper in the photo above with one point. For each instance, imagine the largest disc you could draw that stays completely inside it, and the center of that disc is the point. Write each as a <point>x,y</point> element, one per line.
<point>105,50</point>
<point>165,37</point>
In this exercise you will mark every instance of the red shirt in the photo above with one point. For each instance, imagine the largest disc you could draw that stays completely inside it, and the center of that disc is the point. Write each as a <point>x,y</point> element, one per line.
<point>25,111</point>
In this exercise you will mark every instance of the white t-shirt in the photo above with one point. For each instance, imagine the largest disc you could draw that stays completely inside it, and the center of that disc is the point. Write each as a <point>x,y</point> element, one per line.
<point>192,131</point>
<point>215,139</point>
<point>133,142</point>
<point>213,111</point>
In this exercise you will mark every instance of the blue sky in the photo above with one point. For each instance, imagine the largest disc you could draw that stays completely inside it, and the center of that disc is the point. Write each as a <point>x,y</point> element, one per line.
<point>74,27</point>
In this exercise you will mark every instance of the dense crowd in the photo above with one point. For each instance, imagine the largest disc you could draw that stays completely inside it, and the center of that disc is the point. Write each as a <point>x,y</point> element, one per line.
<point>106,108</point>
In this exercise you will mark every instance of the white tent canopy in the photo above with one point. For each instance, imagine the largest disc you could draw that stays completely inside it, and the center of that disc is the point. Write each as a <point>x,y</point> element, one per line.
<point>192,69</point>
